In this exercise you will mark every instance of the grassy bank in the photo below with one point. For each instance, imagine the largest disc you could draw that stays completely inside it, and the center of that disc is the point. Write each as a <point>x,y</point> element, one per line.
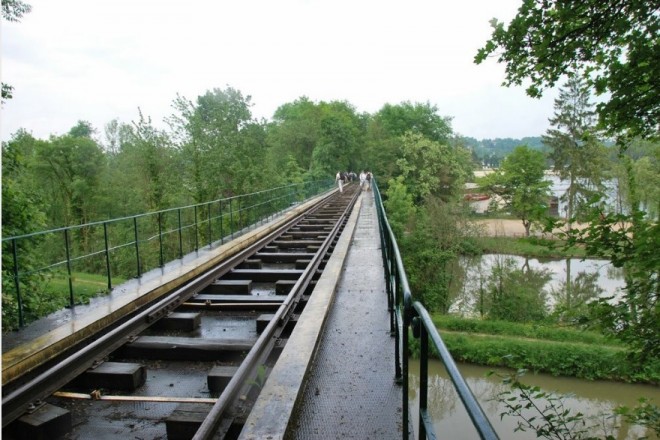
<point>528,247</point>
<point>544,349</point>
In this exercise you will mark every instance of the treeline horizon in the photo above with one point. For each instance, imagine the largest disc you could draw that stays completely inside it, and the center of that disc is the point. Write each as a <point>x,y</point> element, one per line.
<point>212,148</point>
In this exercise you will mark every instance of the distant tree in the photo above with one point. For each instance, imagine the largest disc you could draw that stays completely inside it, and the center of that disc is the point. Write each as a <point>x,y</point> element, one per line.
<point>69,170</point>
<point>83,129</point>
<point>431,168</point>
<point>114,134</point>
<point>295,130</point>
<point>417,118</point>
<point>340,137</point>
<point>386,127</point>
<point>147,159</point>
<point>576,152</point>
<point>210,134</point>
<point>613,45</point>
<point>521,184</point>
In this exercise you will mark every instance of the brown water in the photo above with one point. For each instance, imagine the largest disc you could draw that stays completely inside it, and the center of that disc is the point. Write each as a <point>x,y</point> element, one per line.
<point>592,398</point>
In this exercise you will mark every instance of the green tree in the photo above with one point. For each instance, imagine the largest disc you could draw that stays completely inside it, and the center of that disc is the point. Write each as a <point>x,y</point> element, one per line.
<point>614,45</point>
<point>340,136</point>
<point>210,135</point>
<point>521,185</point>
<point>21,214</point>
<point>387,127</point>
<point>431,168</point>
<point>295,130</point>
<point>647,172</point>
<point>578,157</point>
<point>148,160</point>
<point>69,170</point>
<point>399,206</point>
<point>82,129</point>
<point>418,118</point>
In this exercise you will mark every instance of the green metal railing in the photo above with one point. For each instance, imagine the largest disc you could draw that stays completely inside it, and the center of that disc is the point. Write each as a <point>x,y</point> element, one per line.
<point>128,247</point>
<point>405,314</point>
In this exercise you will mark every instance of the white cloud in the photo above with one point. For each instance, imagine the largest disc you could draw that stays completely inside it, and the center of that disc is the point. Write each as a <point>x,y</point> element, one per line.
<point>99,60</point>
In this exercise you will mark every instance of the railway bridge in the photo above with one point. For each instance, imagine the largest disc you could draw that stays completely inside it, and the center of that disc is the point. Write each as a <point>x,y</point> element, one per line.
<point>293,326</point>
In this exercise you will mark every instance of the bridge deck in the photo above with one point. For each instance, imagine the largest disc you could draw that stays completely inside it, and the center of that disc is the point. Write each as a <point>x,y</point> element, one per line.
<point>350,391</point>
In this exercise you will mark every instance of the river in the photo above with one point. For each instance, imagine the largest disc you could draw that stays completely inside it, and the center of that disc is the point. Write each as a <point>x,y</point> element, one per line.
<point>592,398</point>
<point>472,272</point>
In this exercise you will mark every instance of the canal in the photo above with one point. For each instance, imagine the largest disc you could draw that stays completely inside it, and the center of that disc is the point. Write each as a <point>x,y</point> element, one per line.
<point>595,399</point>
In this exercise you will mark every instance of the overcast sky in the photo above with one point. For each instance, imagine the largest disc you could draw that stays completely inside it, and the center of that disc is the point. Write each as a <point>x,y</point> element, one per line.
<point>71,60</point>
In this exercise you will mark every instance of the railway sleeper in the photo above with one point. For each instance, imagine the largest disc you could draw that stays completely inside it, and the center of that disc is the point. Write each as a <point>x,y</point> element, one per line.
<point>181,321</point>
<point>224,286</point>
<point>315,227</point>
<point>112,375</point>
<point>282,257</point>
<point>219,376</point>
<point>182,348</point>
<point>263,276</point>
<point>263,321</point>
<point>186,419</point>
<point>251,264</point>
<point>44,422</point>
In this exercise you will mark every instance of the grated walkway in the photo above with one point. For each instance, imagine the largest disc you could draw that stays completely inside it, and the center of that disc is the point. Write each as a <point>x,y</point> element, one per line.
<point>350,392</point>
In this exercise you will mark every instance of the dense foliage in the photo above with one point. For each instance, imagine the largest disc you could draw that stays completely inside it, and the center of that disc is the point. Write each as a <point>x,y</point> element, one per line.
<point>613,45</point>
<point>212,148</point>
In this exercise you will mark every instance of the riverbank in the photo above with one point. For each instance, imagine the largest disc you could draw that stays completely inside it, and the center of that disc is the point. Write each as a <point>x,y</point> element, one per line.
<point>541,348</point>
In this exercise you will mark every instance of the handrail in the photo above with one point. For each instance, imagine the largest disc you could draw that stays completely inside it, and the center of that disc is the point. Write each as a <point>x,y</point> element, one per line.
<point>128,247</point>
<point>406,313</point>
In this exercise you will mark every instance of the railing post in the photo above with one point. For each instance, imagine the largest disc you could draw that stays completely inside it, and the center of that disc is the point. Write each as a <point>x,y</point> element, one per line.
<point>160,239</point>
<point>17,283</point>
<point>180,235</point>
<point>208,207</point>
<point>231,220</point>
<point>406,382</point>
<point>222,220</point>
<point>196,231</point>
<point>68,265</point>
<point>107,255</point>
<point>423,379</point>
<point>137,247</point>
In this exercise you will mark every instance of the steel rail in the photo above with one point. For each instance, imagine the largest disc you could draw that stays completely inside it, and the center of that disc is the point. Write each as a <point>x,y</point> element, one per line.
<point>213,421</point>
<point>17,401</point>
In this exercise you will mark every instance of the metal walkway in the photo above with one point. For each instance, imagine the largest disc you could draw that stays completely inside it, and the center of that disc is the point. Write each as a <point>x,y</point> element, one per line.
<point>350,391</point>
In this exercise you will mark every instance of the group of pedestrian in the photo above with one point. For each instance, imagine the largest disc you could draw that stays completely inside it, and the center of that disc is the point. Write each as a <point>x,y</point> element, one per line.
<point>343,177</point>
<point>365,180</point>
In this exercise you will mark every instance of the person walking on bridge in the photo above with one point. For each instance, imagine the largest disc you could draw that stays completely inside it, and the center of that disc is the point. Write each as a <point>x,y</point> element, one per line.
<point>340,180</point>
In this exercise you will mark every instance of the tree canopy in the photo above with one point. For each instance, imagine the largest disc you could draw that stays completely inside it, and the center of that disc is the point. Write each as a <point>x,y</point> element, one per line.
<point>613,44</point>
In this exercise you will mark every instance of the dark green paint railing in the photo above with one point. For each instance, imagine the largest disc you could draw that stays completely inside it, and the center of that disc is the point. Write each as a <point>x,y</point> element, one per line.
<point>405,314</point>
<point>128,247</point>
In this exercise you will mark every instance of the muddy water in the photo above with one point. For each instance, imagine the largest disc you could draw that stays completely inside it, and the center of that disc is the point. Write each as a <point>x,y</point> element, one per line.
<point>471,274</point>
<point>592,398</point>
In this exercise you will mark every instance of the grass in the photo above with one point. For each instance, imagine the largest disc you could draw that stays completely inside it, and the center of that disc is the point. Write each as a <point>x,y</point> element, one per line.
<point>539,348</point>
<point>521,330</point>
<point>85,286</point>
<point>529,247</point>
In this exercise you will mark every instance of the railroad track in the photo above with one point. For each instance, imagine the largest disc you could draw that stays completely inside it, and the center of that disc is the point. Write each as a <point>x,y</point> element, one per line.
<point>190,363</point>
